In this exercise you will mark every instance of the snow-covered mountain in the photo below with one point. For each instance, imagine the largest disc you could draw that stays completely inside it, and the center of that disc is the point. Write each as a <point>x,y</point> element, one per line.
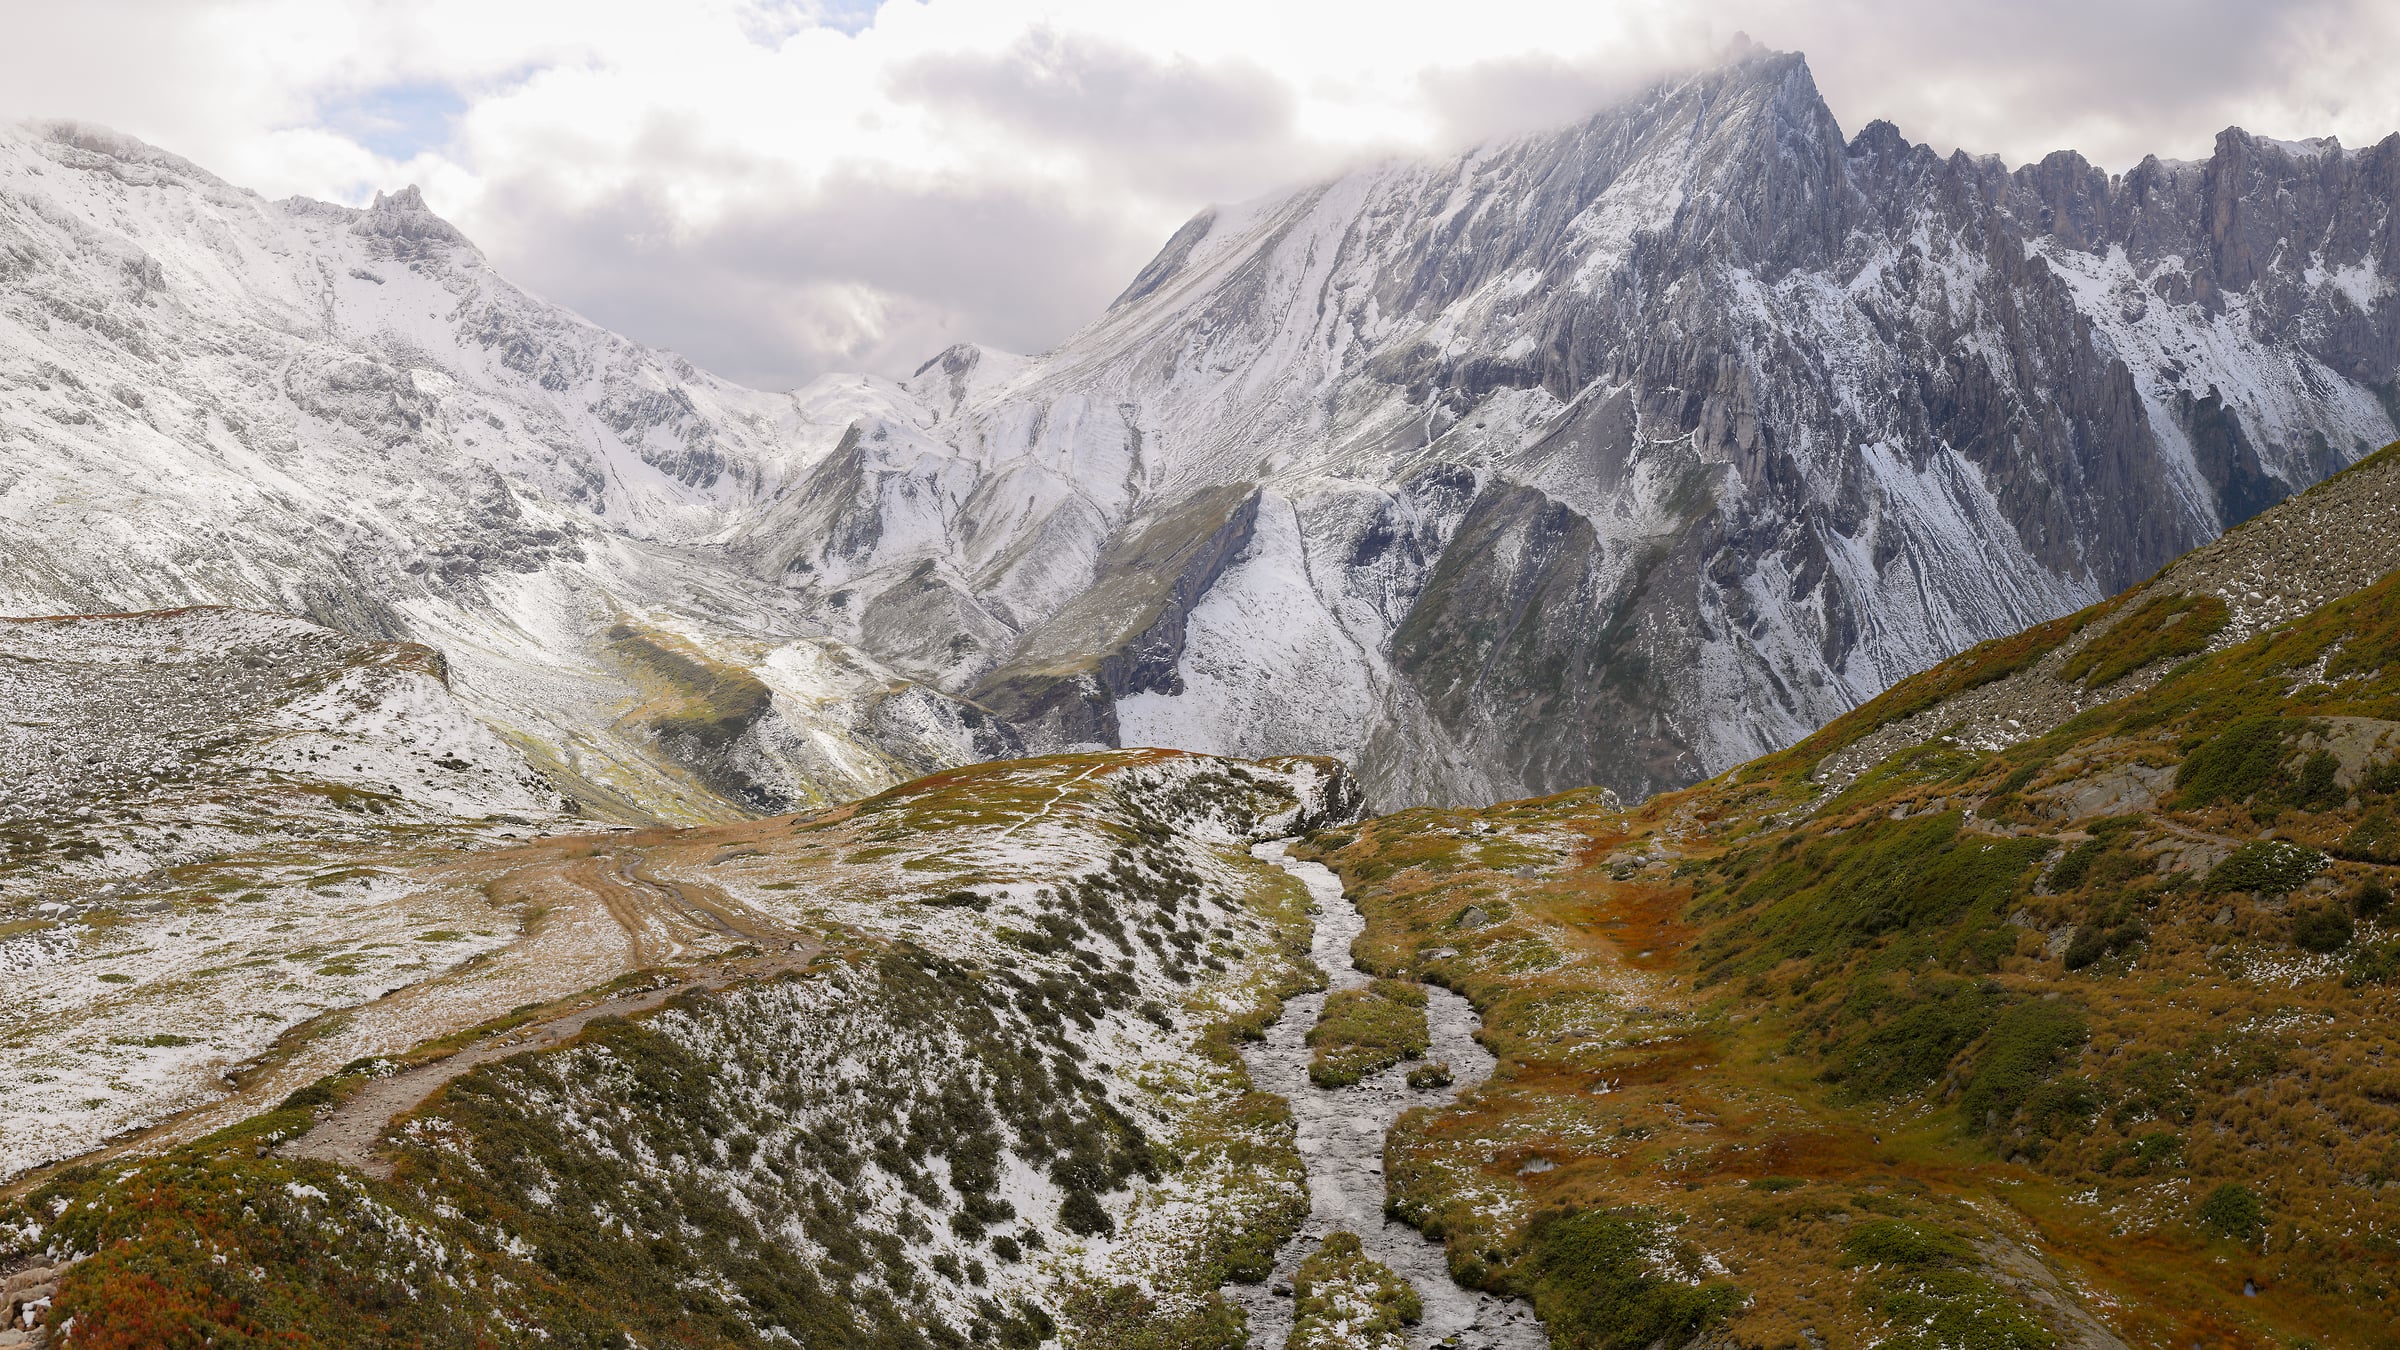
<point>1617,453</point>
<point>207,397</point>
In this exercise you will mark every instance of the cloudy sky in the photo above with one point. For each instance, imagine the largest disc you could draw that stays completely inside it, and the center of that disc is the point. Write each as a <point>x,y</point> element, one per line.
<point>783,187</point>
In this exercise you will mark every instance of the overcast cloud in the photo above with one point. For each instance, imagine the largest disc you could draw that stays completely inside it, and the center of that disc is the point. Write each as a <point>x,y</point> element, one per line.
<point>779,188</point>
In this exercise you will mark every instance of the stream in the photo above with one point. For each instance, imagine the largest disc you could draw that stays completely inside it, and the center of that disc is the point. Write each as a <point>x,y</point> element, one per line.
<point>1341,1139</point>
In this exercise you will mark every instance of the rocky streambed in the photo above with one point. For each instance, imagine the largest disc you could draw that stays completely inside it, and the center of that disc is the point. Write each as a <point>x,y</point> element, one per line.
<point>1341,1138</point>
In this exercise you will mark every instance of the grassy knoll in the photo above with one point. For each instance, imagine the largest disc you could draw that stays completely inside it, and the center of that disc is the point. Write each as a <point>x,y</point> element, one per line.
<point>1916,1062</point>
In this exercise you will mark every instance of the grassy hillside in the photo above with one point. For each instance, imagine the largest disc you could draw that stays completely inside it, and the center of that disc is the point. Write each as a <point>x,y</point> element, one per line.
<point>2052,998</point>
<point>960,1071</point>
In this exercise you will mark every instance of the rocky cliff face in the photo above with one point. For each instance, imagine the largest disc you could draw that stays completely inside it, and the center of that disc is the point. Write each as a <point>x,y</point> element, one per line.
<point>1619,453</point>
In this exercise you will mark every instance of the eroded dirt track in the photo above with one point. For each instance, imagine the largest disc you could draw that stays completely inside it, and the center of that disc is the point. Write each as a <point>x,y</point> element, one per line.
<point>662,921</point>
<point>597,911</point>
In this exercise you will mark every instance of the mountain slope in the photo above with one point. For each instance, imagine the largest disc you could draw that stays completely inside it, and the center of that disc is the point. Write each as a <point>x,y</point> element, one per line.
<point>1619,453</point>
<point>209,398</point>
<point>2048,1000</point>
<point>956,1066</point>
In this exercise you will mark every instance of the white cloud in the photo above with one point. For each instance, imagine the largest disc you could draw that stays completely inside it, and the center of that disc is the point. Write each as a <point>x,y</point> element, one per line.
<point>779,188</point>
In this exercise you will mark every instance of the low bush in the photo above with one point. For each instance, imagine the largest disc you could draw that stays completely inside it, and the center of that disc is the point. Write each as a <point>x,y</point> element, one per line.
<point>2373,963</point>
<point>2093,941</point>
<point>2265,867</point>
<point>1126,1317</point>
<point>1906,1042</point>
<point>2165,626</point>
<point>2232,1211</point>
<point>2234,765</point>
<point>1596,1277</point>
<point>2025,1048</point>
<point>1341,1298</point>
<point>1893,1242</point>
<point>2374,839</point>
<point>1365,1030</point>
<point>1933,1294</point>
<point>2156,1151</point>
<point>2322,928</point>
<point>1884,878</point>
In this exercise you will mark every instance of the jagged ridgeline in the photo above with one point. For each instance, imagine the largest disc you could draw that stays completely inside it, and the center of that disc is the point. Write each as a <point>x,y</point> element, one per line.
<point>2051,999</point>
<point>1617,452</point>
<point>959,1069</point>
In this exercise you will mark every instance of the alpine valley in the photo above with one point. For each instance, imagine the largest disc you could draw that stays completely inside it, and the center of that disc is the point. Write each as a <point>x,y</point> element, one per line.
<point>1880,675</point>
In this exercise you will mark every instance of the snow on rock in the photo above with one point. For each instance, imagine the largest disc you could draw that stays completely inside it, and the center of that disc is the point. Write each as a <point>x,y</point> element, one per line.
<point>211,398</point>
<point>1612,453</point>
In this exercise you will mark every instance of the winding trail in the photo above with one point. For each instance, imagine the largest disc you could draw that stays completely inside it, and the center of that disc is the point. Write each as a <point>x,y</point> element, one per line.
<point>1064,790</point>
<point>600,910</point>
<point>649,908</point>
<point>1342,1137</point>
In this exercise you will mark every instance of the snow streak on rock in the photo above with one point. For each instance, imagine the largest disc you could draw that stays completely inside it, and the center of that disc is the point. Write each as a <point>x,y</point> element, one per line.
<point>1616,453</point>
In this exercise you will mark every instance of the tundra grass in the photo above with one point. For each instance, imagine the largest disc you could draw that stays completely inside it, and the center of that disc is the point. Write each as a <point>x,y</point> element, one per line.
<point>2035,1042</point>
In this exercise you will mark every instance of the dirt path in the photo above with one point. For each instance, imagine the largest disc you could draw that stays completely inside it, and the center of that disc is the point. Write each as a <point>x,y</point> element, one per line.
<point>350,1133</point>
<point>650,909</point>
<point>600,910</point>
<point>1064,789</point>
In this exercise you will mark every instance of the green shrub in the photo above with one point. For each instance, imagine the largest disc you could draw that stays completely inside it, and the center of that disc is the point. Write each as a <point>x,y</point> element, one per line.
<point>1249,1257</point>
<point>2155,1151</point>
<point>1954,1310</point>
<point>2068,872</point>
<point>2375,839</point>
<point>2017,778</point>
<point>2234,765</point>
<point>1335,1283</point>
<point>2373,963</point>
<point>1884,877</point>
<point>1126,1317</point>
<point>2024,1049</point>
<point>1081,1212</point>
<point>1592,1276</point>
<point>2265,867</point>
<point>2093,941</point>
<point>2164,626</point>
<point>1365,1030</point>
<point>2371,898</point>
<point>1910,1041</point>
<point>2232,1211</point>
<point>2316,789</point>
<point>2321,928</point>
<point>2054,1108</point>
<point>1931,1294</point>
<point>1892,1242</point>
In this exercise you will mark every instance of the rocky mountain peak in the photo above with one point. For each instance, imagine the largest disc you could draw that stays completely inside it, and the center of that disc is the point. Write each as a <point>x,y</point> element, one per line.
<point>407,222</point>
<point>1692,393</point>
<point>1615,453</point>
<point>86,145</point>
